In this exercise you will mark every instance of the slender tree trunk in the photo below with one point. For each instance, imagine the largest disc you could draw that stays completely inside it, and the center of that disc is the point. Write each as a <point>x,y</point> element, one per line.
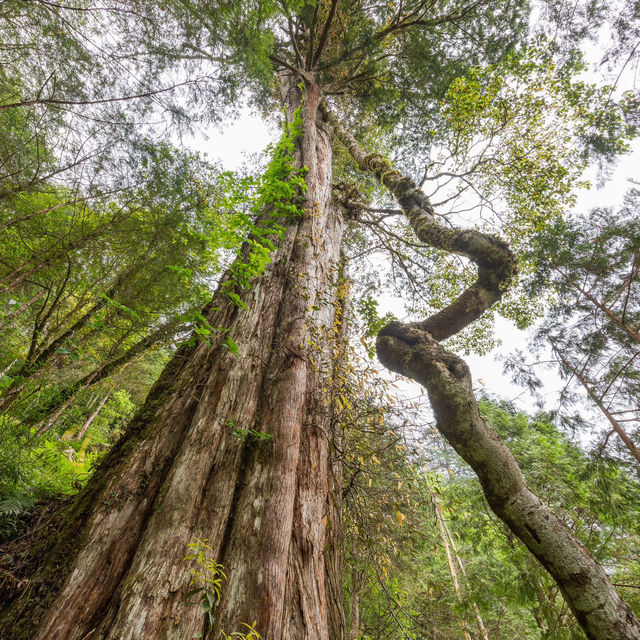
<point>544,613</point>
<point>452,567</point>
<point>617,427</point>
<point>52,410</point>
<point>23,307</point>
<point>619,321</point>
<point>452,553</point>
<point>270,508</point>
<point>354,609</point>
<point>45,352</point>
<point>38,357</point>
<point>8,368</point>
<point>93,416</point>
<point>39,212</point>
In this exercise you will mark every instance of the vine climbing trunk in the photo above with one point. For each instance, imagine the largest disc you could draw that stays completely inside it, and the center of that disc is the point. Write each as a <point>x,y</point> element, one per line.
<point>413,350</point>
<point>230,448</point>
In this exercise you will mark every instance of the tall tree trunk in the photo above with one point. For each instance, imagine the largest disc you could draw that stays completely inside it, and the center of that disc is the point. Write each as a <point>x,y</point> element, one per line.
<point>269,508</point>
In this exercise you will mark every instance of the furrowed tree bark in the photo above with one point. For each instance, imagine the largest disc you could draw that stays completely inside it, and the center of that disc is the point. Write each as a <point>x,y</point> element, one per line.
<point>413,350</point>
<point>269,508</point>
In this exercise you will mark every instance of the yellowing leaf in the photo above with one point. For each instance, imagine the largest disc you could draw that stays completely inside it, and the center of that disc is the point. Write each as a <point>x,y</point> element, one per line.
<point>400,517</point>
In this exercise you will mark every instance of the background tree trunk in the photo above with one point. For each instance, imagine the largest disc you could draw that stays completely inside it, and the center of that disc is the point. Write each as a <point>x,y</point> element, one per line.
<point>270,509</point>
<point>87,423</point>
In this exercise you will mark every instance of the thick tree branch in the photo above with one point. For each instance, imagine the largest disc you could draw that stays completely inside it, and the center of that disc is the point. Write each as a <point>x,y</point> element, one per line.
<point>496,264</point>
<point>414,351</point>
<point>299,72</point>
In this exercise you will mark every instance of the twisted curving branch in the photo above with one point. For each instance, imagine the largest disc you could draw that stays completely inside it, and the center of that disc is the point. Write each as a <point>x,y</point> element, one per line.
<point>413,350</point>
<point>496,264</point>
